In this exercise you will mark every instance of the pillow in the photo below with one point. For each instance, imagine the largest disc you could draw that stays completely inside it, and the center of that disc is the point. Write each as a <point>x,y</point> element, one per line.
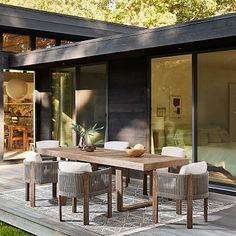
<point>194,168</point>
<point>32,157</point>
<point>74,167</point>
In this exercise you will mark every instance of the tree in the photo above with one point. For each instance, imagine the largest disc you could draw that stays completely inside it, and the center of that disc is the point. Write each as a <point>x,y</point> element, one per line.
<point>147,13</point>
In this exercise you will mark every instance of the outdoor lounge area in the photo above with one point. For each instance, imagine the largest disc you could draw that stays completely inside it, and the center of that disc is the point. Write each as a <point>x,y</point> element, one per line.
<point>113,129</point>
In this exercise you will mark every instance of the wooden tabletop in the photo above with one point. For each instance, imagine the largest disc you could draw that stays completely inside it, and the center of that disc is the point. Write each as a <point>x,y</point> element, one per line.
<point>116,158</point>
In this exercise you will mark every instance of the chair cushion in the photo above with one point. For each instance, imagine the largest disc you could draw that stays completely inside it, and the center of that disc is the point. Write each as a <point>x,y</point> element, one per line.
<point>47,144</point>
<point>32,157</point>
<point>194,168</point>
<point>116,145</point>
<point>173,151</point>
<point>74,167</point>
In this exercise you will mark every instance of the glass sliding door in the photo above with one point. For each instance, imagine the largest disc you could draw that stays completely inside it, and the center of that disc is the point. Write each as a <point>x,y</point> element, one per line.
<point>171,103</point>
<point>91,99</point>
<point>217,115</point>
<point>18,90</point>
<point>62,105</point>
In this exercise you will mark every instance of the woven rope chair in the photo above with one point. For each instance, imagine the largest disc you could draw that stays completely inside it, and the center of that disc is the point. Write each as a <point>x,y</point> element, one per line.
<point>166,151</point>
<point>46,144</point>
<point>181,187</point>
<point>39,173</point>
<point>87,184</point>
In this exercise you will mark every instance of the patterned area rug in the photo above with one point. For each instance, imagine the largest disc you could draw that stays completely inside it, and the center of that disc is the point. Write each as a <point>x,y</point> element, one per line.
<point>121,223</point>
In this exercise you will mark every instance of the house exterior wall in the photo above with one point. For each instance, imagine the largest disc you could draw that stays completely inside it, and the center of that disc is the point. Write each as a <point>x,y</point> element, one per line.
<point>43,120</point>
<point>127,100</point>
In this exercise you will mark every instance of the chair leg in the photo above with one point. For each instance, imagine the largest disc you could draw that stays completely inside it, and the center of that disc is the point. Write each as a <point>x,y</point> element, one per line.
<point>32,184</point>
<point>32,194</point>
<point>86,199</point>
<point>54,190</point>
<point>26,191</point>
<point>178,207</point>
<point>206,209</point>
<point>60,207</point>
<point>189,202</point>
<point>74,204</point>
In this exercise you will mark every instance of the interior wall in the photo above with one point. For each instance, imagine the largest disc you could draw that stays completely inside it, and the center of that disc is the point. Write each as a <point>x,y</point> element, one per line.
<point>214,95</point>
<point>171,76</point>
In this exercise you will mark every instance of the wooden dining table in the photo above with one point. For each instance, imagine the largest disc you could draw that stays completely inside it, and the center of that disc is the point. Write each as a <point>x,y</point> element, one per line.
<point>120,160</point>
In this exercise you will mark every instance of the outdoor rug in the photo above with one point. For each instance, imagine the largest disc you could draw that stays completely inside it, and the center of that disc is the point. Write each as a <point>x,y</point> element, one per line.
<point>121,223</point>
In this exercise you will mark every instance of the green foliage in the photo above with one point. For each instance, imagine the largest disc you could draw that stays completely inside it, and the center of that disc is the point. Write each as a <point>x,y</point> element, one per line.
<point>147,13</point>
<point>6,230</point>
<point>89,136</point>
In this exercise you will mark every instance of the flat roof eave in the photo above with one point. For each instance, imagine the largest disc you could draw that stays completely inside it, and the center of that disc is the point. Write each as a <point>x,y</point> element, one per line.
<point>209,29</point>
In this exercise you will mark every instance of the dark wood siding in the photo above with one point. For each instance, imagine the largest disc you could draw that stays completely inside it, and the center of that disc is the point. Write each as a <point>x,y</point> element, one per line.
<point>127,100</point>
<point>43,105</point>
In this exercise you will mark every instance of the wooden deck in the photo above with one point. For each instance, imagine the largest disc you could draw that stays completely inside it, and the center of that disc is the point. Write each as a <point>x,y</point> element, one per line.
<point>11,178</point>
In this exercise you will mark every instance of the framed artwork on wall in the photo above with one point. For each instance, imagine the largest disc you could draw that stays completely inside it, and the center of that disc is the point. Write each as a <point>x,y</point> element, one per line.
<point>175,106</point>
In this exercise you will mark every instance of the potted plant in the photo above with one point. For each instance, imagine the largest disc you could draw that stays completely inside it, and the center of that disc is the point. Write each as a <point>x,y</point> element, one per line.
<point>87,136</point>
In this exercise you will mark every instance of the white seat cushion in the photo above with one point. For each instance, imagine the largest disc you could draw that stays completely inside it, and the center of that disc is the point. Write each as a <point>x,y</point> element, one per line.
<point>116,145</point>
<point>194,168</point>
<point>47,144</point>
<point>74,167</point>
<point>173,151</point>
<point>32,157</point>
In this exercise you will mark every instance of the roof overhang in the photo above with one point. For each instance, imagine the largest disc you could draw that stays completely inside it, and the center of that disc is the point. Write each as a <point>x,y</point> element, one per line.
<point>206,30</point>
<point>31,21</point>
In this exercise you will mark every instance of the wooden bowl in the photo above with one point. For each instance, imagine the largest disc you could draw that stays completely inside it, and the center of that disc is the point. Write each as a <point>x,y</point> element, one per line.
<point>89,148</point>
<point>134,152</point>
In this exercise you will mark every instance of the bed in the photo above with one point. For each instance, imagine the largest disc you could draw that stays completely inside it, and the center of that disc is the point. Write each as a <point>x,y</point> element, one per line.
<point>214,147</point>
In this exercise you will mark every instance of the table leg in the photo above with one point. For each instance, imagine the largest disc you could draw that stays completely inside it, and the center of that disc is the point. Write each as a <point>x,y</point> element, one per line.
<point>119,189</point>
<point>154,199</point>
<point>150,183</point>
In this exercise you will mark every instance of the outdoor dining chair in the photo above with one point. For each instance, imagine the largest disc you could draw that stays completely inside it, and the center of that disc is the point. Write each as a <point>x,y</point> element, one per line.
<point>119,145</point>
<point>174,152</point>
<point>190,184</point>
<point>76,180</point>
<point>166,151</point>
<point>37,171</point>
<point>47,144</point>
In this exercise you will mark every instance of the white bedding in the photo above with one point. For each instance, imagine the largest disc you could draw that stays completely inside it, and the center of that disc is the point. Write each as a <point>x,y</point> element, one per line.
<point>217,154</point>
